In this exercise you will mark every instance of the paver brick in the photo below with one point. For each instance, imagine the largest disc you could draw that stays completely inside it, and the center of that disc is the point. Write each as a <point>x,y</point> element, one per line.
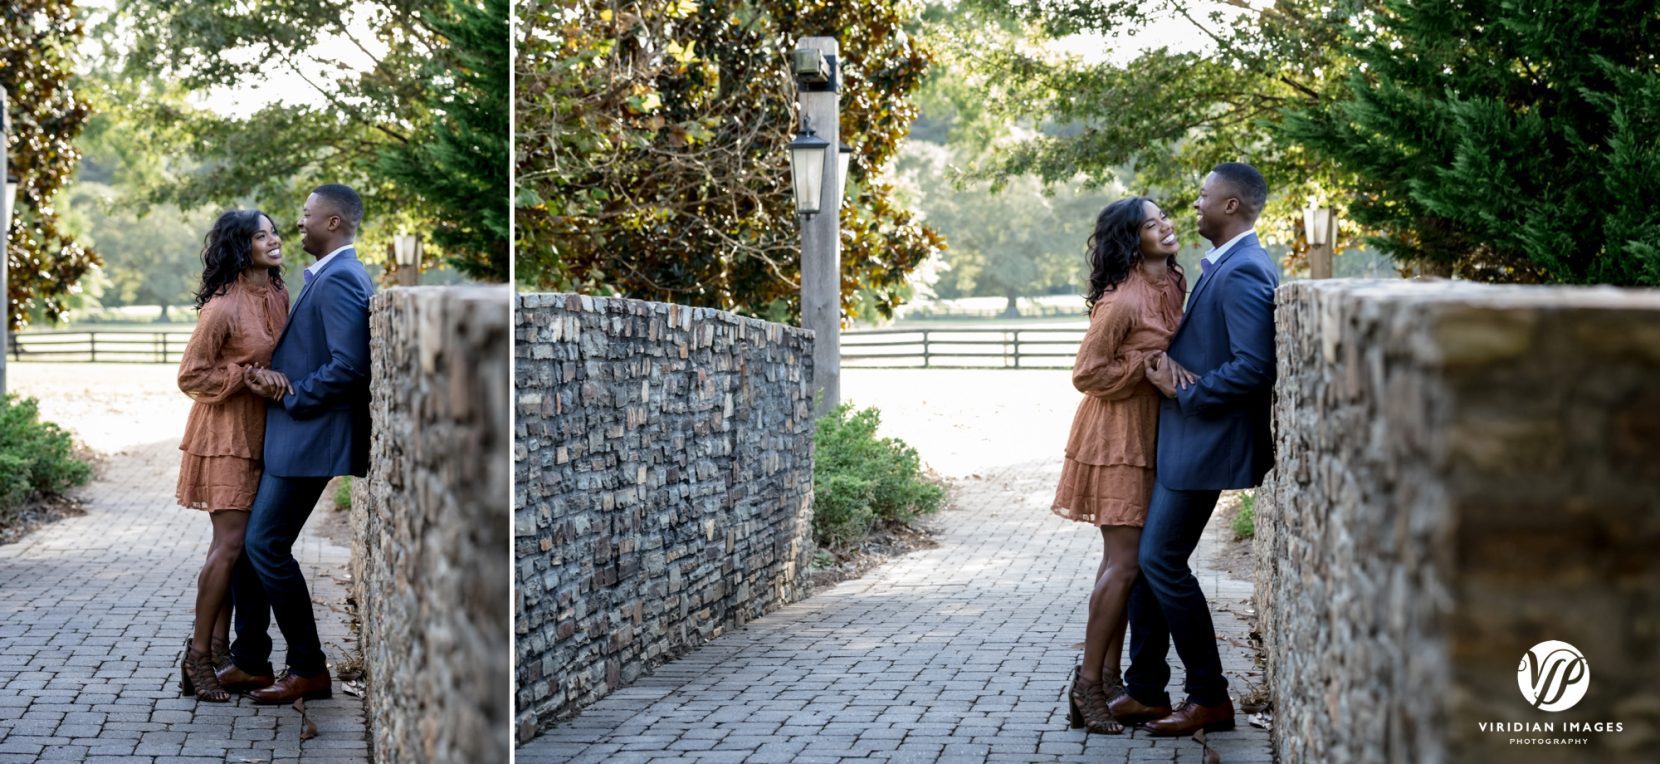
<point>98,607</point>
<point>957,653</point>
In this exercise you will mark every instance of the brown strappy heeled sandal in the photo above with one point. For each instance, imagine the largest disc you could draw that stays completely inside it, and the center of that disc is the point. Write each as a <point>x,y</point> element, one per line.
<point>1087,707</point>
<point>1112,685</point>
<point>220,648</point>
<point>196,677</point>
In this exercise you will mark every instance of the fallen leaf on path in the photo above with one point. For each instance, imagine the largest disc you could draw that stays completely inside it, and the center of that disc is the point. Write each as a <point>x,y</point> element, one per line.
<point>1211,756</point>
<point>308,729</point>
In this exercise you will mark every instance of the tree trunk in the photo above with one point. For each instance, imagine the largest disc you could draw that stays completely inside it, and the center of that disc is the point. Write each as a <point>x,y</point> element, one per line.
<point>1012,310</point>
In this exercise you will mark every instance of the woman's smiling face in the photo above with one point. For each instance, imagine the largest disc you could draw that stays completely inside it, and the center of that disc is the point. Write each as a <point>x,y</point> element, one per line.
<point>1158,235</point>
<point>265,251</point>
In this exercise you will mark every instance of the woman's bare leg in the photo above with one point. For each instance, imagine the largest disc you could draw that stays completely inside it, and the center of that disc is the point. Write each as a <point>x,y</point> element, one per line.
<point>1108,602</point>
<point>1123,542</point>
<point>213,584</point>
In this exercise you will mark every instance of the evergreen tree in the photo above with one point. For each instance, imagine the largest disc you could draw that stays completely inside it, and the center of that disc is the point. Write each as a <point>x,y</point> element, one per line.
<point>462,169</point>
<point>1503,141</point>
<point>37,40</point>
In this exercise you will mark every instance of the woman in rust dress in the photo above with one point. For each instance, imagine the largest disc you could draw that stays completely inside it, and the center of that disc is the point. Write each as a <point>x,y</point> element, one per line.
<point>242,306</point>
<point>1135,300</point>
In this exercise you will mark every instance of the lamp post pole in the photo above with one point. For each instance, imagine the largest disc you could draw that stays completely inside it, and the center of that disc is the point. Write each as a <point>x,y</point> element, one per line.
<point>1320,226</point>
<point>413,275</point>
<point>821,235</point>
<point>5,232</point>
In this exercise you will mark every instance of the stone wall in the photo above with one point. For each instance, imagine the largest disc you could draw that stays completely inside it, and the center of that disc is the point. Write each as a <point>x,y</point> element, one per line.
<point>430,526</point>
<point>663,475</point>
<point>1464,471</point>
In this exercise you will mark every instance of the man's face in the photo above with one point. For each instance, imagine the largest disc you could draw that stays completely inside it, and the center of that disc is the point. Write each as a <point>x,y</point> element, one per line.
<point>318,222</point>
<point>1216,203</point>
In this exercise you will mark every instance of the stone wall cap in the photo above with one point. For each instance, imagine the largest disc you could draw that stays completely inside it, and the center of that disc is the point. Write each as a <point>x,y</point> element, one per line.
<point>483,293</point>
<point>685,313</point>
<point>1476,294</point>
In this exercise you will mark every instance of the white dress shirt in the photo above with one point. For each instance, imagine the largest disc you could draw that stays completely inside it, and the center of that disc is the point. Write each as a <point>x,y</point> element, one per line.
<point>1216,254</point>
<point>317,267</point>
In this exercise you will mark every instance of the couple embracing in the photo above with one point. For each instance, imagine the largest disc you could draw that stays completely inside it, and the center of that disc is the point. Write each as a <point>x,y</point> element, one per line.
<point>281,407</point>
<point>1176,409</point>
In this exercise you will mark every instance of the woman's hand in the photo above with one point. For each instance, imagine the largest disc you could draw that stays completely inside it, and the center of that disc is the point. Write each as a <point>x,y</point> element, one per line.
<point>255,380</point>
<point>1167,375</point>
<point>267,383</point>
<point>279,383</point>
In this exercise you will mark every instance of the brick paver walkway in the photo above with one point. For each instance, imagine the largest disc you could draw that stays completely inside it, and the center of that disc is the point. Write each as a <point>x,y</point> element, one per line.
<point>94,611</point>
<point>959,653</point>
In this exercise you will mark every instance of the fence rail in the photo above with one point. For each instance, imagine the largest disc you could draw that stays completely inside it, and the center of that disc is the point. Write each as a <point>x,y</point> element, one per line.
<point>1037,348</point>
<point>99,347</point>
<point>1049,348</point>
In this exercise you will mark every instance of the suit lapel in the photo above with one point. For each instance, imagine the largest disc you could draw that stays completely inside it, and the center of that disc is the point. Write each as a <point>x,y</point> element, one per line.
<point>1209,275</point>
<point>310,284</point>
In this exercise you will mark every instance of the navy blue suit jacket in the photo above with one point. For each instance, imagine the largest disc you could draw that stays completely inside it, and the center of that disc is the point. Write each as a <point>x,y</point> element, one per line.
<point>1215,435</point>
<point>322,429</point>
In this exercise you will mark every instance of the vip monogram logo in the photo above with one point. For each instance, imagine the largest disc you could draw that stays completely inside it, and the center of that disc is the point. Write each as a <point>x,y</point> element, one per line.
<point>1553,676</point>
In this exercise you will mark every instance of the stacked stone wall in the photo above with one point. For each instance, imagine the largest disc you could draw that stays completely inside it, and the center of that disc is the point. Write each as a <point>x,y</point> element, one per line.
<point>1463,472</point>
<point>663,474</point>
<point>430,526</point>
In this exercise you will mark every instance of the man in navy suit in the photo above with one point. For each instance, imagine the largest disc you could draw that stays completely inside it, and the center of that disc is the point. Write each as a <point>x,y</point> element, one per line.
<point>1217,379</point>
<point>316,427</point>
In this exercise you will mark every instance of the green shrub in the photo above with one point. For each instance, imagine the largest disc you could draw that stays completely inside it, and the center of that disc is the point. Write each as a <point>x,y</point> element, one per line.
<point>1245,521</point>
<point>35,456</point>
<point>860,479</point>
<point>841,509</point>
<point>343,493</point>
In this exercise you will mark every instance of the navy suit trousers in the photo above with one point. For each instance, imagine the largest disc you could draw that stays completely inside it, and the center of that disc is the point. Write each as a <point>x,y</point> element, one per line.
<point>1167,606</point>
<point>268,579</point>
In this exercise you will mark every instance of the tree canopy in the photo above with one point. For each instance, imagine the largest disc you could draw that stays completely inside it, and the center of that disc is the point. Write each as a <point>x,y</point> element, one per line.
<point>1019,240</point>
<point>38,41</point>
<point>1158,120</point>
<point>408,104</point>
<point>1487,139</point>
<point>1502,141</point>
<point>651,149</point>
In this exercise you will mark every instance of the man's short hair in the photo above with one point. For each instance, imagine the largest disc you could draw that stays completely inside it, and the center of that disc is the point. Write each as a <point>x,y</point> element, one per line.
<point>345,200</point>
<point>1247,182</point>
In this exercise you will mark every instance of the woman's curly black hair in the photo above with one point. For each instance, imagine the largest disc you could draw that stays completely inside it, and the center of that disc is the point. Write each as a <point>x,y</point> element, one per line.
<point>227,250</point>
<point>1115,247</point>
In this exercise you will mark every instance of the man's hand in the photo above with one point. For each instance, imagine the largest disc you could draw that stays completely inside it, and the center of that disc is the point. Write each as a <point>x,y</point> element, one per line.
<point>1167,375</point>
<point>268,383</point>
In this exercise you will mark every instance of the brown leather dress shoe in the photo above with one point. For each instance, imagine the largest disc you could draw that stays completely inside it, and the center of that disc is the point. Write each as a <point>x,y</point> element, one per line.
<point>235,679</point>
<point>1128,710</point>
<point>292,687</point>
<point>1189,718</point>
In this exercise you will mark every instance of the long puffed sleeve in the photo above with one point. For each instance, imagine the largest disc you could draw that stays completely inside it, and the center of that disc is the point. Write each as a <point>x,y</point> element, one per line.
<point>204,373</point>
<point>1105,368</point>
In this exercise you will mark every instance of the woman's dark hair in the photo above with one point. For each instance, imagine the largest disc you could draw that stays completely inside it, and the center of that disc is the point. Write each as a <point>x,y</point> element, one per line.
<point>227,250</point>
<point>1115,247</point>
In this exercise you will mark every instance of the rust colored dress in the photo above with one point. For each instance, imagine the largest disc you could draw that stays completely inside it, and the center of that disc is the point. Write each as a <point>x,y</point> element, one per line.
<point>224,438</point>
<point>1107,478</point>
